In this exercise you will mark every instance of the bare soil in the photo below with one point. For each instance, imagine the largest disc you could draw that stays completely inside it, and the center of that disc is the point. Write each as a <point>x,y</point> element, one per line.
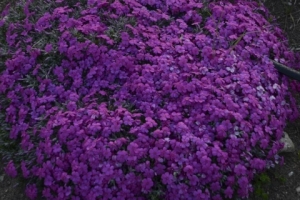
<point>285,179</point>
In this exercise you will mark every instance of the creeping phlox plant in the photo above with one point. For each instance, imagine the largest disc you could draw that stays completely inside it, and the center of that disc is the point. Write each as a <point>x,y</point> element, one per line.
<point>141,99</point>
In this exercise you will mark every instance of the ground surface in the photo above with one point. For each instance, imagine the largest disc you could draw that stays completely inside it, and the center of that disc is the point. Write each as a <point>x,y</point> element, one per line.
<point>285,179</point>
<point>279,183</point>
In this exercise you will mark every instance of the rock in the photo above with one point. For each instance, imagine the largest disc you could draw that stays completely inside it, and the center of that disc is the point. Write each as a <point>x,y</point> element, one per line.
<point>291,173</point>
<point>288,144</point>
<point>298,190</point>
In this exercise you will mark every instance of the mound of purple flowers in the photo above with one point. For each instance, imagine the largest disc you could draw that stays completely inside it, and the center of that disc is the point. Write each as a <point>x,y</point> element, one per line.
<point>141,99</point>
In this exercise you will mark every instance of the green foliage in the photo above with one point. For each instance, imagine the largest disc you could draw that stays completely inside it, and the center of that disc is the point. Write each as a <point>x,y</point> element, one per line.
<point>259,183</point>
<point>298,154</point>
<point>263,180</point>
<point>116,27</point>
<point>280,178</point>
<point>156,193</point>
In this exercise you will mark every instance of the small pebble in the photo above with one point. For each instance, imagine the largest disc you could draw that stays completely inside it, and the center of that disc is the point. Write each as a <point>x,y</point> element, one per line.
<point>291,173</point>
<point>288,144</point>
<point>1,178</point>
<point>298,190</point>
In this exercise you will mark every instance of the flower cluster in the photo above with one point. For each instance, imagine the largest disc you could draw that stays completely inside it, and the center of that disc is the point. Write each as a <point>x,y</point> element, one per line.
<point>142,99</point>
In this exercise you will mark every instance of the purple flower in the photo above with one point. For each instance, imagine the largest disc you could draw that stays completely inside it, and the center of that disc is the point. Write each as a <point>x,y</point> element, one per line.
<point>154,153</point>
<point>10,169</point>
<point>228,192</point>
<point>48,180</point>
<point>43,23</point>
<point>240,169</point>
<point>48,48</point>
<point>215,186</point>
<point>31,191</point>
<point>258,164</point>
<point>71,106</point>
<point>24,169</point>
<point>147,184</point>
<point>47,193</point>
<point>243,182</point>
<point>167,178</point>
<point>188,169</point>
<point>136,97</point>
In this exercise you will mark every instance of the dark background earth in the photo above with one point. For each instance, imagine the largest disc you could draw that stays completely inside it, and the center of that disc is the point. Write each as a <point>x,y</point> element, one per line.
<point>279,183</point>
<point>285,179</point>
